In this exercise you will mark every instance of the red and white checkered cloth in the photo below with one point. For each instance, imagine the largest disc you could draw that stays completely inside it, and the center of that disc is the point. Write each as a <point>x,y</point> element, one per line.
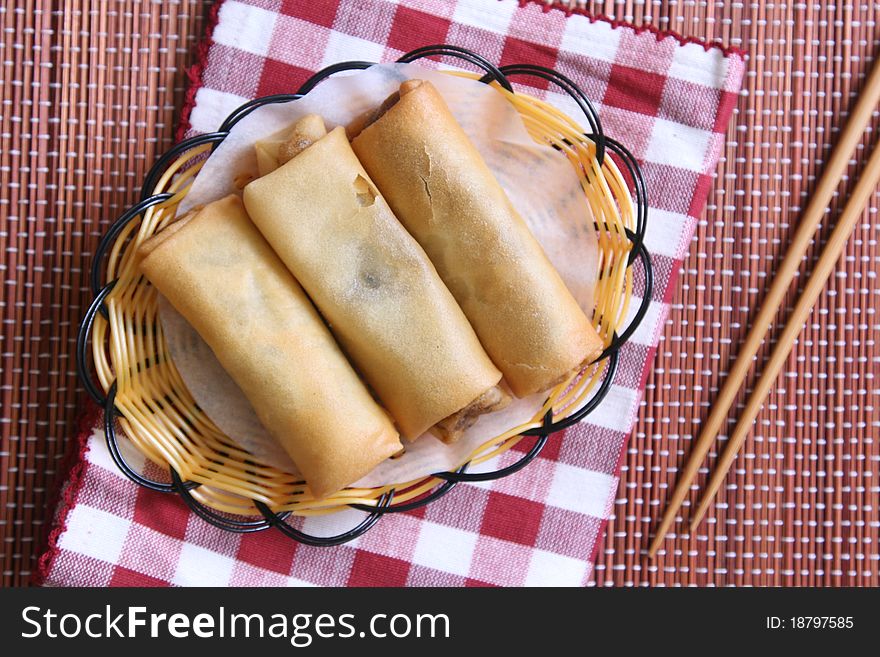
<point>668,99</point>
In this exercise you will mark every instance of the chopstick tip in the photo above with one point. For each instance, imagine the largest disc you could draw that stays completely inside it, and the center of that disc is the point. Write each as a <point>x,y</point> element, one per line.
<point>697,518</point>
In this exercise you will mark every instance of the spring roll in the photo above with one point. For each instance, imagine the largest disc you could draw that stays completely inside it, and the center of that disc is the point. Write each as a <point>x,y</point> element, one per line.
<point>217,270</point>
<point>444,193</point>
<point>376,288</point>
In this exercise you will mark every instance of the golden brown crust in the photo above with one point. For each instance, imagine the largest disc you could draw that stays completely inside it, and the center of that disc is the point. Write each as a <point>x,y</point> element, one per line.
<point>166,233</point>
<point>221,275</point>
<point>441,189</point>
<point>375,286</point>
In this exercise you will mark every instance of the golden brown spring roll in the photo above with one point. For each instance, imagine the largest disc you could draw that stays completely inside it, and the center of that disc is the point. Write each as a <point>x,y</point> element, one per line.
<point>217,270</point>
<point>376,288</point>
<point>444,193</point>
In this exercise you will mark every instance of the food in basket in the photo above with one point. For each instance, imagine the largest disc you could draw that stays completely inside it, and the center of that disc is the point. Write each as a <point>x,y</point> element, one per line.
<point>373,283</point>
<point>217,270</point>
<point>438,185</point>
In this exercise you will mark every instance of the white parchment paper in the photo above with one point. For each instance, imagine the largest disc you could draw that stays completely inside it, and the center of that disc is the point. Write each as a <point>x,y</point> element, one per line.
<point>539,181</point>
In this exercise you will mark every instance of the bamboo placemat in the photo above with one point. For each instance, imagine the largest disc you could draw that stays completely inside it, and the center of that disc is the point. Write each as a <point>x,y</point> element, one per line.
<point>90,97</point>
<point>800,505</point>
<point>90,92</point>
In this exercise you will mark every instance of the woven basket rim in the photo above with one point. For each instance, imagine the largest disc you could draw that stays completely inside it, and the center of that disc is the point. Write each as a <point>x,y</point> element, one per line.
<point>219,492</point>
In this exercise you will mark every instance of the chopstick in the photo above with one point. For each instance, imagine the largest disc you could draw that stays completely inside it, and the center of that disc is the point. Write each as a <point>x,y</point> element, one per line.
<point>830,255</point>
<point>815,211</point>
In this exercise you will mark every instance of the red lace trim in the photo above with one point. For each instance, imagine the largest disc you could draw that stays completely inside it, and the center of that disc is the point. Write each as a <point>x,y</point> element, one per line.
<point>194,72</point>
<point>66,491</point>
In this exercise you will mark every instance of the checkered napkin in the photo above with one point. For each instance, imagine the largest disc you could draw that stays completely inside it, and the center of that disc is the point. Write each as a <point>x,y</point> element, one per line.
<point>668,99</point>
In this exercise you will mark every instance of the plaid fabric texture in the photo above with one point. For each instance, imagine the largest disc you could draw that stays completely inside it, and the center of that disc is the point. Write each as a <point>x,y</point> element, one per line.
<point>667,99</point>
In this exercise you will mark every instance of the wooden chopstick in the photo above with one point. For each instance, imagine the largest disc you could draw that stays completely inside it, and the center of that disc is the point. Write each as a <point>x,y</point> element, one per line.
<point>830,255</point>
<point>812,216</point>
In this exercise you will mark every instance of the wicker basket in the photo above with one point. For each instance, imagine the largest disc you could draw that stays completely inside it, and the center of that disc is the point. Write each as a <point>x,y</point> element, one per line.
<point>144,396</point>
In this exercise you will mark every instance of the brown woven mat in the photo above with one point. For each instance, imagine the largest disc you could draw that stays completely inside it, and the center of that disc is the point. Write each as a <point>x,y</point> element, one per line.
<point>90,95</point>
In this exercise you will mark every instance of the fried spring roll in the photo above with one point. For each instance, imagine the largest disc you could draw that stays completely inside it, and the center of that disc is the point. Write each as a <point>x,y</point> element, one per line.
<point>217,270</point>
<point>376,288</point>
<point>438,185</point>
